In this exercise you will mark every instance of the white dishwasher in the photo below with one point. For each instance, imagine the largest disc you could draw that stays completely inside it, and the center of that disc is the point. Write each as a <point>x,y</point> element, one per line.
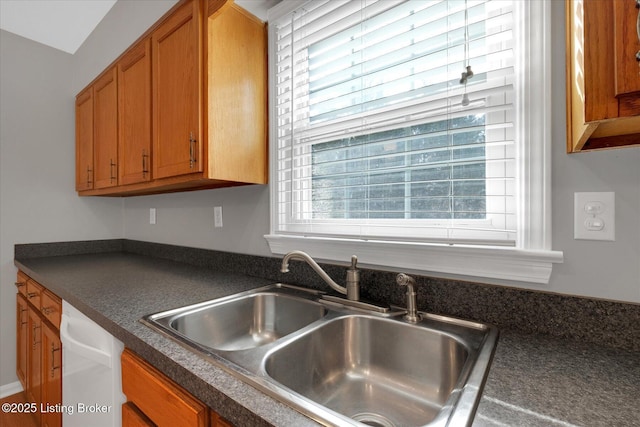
<point>91,373</point>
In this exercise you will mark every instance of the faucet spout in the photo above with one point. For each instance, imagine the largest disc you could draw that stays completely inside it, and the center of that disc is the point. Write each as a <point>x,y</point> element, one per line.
<point>352,290</point>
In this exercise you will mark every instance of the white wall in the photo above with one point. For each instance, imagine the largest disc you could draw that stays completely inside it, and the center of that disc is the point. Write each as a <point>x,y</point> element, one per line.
<point>38,202</point>
<point>125,22</point>
<point>186,219</point>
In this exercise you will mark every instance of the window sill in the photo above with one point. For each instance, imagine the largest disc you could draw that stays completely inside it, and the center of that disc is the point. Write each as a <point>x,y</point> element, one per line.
<point>490,265</point>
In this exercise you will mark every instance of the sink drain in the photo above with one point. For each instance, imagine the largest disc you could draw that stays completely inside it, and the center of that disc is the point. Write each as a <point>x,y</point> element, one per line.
<point>374,420</point>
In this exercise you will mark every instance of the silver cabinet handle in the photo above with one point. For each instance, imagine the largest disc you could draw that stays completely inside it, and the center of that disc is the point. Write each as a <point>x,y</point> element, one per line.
<point>53,367</point>
<point>192,150</point>
<point>112,167</point>
<point>35,342</point>
<point>145,168</point>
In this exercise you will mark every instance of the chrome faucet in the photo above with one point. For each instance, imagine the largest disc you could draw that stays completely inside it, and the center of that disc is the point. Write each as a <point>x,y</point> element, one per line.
<point>352,288</point>
<point>412,310</point>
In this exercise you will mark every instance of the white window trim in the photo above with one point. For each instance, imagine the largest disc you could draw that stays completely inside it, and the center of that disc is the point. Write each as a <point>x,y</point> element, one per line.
<point>499,265</point>
<point>530,262</point>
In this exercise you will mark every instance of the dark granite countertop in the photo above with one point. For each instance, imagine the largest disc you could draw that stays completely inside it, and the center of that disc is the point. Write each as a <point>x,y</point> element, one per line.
<point>535,380</point>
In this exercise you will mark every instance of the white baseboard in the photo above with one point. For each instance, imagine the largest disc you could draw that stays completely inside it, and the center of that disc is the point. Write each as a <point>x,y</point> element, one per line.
<point>10,389</point>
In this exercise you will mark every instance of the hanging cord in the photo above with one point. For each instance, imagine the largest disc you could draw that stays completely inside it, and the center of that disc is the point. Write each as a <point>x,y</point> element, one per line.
<point>468,73</point>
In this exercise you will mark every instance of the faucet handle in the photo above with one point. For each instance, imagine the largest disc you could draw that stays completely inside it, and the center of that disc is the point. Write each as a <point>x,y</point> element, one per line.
<point>353,280</point>
<point>354,261</point>
<point>412,315</point>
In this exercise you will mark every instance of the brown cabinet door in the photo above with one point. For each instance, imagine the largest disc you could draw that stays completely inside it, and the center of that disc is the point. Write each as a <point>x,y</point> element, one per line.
<point>22,338</point>
<point>34,357</point>
<point>134,114</point>
<point>21,283</point>
<point>51,376</point>
<point>105,143</point>
<point>133,417</point>
<point>34,293</point>
<point>215,420</point>
<point>51,307</point>
<point>627,46</point>
<point>611,77</point>
<point>160,399</point>
<point>84,140</point>
<point>177,85</point>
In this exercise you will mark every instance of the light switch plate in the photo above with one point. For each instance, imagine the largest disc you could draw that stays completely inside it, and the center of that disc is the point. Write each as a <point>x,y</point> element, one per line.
<point>594,216</point>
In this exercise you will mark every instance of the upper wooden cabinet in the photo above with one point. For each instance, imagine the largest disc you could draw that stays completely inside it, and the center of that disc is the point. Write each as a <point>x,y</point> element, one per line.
<point>191,105</point>
<point>603,74</point>
<point>84,140</point>
<point>627,45</point>
<point>105,130</point>
<point>134,114</point>
<point>236,94</point>
<point>177,89</point>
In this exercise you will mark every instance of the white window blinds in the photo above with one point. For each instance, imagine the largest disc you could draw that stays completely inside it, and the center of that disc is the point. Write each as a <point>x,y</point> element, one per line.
<point>373,138</point>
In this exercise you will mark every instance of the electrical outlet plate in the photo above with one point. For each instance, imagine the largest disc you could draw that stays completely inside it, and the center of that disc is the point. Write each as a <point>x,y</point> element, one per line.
<point>152,216</point>
<point>217,216</point>
<point>594,216</point>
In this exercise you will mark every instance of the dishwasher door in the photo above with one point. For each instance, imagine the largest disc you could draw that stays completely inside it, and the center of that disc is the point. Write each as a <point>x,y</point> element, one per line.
<point>91,374</point>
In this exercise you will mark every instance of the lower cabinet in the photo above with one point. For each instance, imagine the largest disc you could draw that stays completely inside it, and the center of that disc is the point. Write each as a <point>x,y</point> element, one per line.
<point>133,417</point>
<point>39,351</point>
<point>34,358</point>
<point>155,400</point>
<point>217,421</point>
<point>51,376</point>
<point>22,338</point>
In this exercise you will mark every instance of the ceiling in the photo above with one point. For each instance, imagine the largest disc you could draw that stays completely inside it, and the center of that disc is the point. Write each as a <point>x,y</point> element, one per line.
<point>61,24</point>
<point>66,24</point>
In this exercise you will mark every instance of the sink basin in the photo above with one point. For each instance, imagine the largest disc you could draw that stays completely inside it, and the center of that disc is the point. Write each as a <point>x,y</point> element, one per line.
<point>243,322</point>
<point>337,362</point>
<point>377,371</point>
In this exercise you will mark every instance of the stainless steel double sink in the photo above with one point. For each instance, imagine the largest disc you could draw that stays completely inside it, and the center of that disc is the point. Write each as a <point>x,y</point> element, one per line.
<point>338,364</point>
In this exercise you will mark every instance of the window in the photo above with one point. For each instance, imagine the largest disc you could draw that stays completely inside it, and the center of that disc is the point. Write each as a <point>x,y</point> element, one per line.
<point>380,145</point>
